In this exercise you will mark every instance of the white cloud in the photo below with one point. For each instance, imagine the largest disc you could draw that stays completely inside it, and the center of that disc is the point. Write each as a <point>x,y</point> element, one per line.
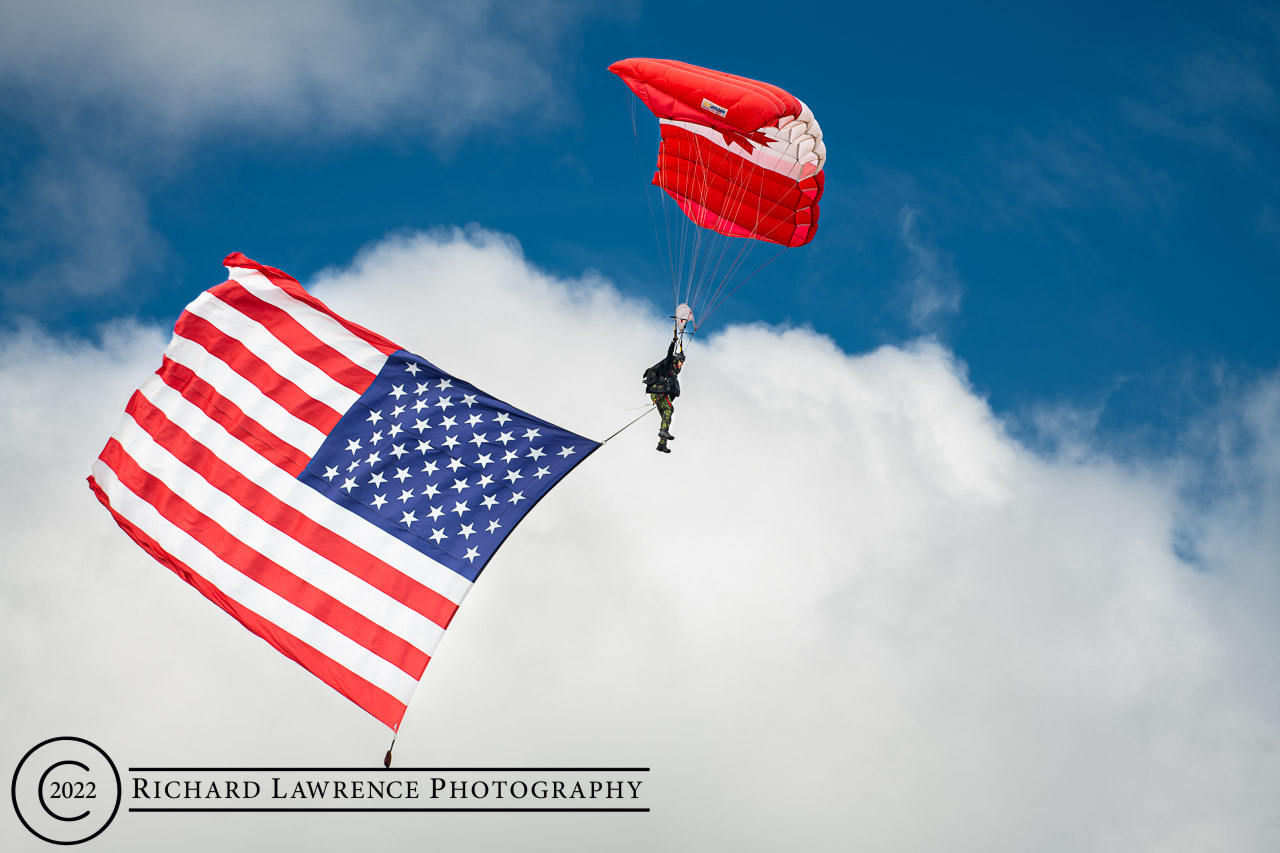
<point>118,93</point>
<point>849,611</point>
<point>322,65</point>
<point>932,288</point>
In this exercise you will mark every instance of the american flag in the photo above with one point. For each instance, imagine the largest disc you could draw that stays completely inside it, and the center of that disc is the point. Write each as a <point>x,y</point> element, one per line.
<point>334,493</point>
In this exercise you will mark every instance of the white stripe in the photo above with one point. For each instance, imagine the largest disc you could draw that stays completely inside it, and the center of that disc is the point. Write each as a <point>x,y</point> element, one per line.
<point>306,500</point>
<point>318,323</point>
<point>248,528</point>
<point>250,594</point>
<point>256,405</point>
<point>259,340</point>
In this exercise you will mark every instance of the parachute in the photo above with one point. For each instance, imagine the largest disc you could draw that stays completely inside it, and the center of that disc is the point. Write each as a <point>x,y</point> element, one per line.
<point>739,158</point>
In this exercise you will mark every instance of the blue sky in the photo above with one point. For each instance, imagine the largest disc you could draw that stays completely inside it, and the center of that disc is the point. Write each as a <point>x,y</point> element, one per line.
<point>1086,195</point>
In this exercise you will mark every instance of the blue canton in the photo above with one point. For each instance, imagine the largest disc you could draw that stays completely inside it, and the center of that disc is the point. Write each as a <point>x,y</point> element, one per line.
<point>440,464</point>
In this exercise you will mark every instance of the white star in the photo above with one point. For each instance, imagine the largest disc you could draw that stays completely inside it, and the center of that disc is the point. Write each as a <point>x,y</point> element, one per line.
<point>516,497</point>
<point>408,519</point>
<point>397,411</point>
<point>396,429</point>
<point>398,450</point>
<point>349,484</point>
<point>377,479</point>
<point>422,388</point>
<point>509,455</point>
<point>467,531</point>
<point>471,554</point>
<point>485,480</point>
<point>421,424</point>
<point>397,392</point>
<point>489,501</point>
<point>460,485</point>
<point>502,418</point>
<point>454,464</point>
<point>374,458</point>
<point>542,472</point>
<point>330,472</point>
<point>536,453</point>
<point>449,422</point>
<point>512,476</point>
<point>445,383</point>
<point>379,501</point>
<point>353,466</point>
<point>430,466</point>
<point>478,439</point>
<point>353,445</point>
<point>420,405</point>
<point>435,513</point>
<point>430,490</point>
<point>451,442</point>
<point>469,400</point>
<point>566,452</point>
<point>437,534</point>
<point>484,459</point>
<point>474,419</point>
<point>376,437</point>
<point>374,417</point>
<point>405,495</point>
<point>444,403</point>
<point>532,433</point>
<point>494,525</point>
<point>506,437</point>
<point>401,474</point>
<point>424,446</point>
<point>460,507</point>
<point>412,368</point>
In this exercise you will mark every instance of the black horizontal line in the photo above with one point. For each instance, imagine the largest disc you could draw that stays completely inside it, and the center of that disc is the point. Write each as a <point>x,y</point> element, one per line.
<point>378,809</point>
<point>394,770</point>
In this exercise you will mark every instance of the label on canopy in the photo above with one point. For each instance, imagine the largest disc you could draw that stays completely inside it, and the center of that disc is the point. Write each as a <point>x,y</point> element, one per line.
<point>712,107</point>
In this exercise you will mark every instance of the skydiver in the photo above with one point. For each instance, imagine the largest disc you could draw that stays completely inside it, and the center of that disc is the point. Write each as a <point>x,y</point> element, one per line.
<point>662,384</point>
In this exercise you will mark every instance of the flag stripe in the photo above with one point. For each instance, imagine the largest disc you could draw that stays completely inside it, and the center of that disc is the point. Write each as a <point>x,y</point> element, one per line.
<point>264,343</point>
<point>236,261</point>
<point>303,343</point>
<point>249,565</point>
<point>316,319</point>
<point>240,358</point>
<point>396,590</point>
<point>382,704</point>
<point>248,397</point>
<point>232,418</point>
<point>306,500</point>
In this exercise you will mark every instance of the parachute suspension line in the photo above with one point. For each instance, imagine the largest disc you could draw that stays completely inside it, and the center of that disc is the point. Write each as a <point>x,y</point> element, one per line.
<point>668,261</point>
<point>748,278</point>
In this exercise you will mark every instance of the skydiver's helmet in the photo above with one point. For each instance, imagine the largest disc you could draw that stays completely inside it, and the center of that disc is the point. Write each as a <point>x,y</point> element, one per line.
<point>679,362</point>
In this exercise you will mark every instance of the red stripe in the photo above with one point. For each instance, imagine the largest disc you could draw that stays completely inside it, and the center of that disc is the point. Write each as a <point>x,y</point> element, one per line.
<point>287,520</point>
<point>286,329</point>
<point>381,704</point>
<point>232,418</point>
<point>290,285</point>
<point>243,361</point>
<point>266,572</point>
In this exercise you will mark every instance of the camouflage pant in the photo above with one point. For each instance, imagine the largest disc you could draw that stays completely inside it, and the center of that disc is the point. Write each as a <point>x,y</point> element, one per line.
<point>665,408</point>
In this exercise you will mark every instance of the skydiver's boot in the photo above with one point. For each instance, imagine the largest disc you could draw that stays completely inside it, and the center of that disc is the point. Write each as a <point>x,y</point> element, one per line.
<point>665,436</point>
<point>662,447</point>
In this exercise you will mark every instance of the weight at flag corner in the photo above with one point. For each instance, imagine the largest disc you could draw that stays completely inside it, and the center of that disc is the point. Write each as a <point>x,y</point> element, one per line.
<point>333,492</point>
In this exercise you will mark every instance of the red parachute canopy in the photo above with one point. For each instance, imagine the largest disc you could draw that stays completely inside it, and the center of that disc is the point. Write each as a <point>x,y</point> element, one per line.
<point>740,157</point>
